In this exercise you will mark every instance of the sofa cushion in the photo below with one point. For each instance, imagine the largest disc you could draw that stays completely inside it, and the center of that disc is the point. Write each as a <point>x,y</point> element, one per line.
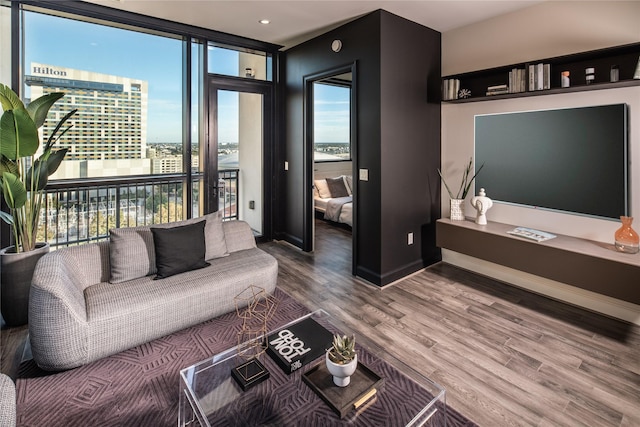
<point>179,249</point>
<point>132,253</point>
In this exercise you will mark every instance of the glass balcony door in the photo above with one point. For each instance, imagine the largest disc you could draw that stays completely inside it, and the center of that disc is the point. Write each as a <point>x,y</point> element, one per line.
<point>237,140</point>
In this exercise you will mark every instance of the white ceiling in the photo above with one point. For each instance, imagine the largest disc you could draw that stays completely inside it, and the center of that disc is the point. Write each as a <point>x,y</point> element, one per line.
<point>294,21</point>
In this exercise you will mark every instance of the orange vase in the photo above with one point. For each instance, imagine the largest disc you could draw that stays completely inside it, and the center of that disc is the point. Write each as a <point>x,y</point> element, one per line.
<point>627,239</point>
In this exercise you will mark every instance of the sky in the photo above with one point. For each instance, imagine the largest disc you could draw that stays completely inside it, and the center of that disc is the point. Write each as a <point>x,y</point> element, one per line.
<point>158,60</point>
<point>331,113</point>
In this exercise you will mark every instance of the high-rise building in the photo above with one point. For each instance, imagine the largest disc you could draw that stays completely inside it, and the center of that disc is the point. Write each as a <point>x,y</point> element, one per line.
<point>109,133</point>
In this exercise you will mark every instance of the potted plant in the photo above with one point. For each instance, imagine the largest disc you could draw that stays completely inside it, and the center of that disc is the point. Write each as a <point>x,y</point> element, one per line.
<point>342,359</point>
<point>25,168</point>
<point>457,199</point>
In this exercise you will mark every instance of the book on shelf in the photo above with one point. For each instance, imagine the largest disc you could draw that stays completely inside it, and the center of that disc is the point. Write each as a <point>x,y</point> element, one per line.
<point>450,89</point>
<point>299,344</point>
<point>497,90</point>
<point>539,76</point>
<point>517,78</point>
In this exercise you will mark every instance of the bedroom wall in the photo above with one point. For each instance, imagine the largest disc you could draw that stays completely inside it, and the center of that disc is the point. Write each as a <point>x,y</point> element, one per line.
<point>544,30</point>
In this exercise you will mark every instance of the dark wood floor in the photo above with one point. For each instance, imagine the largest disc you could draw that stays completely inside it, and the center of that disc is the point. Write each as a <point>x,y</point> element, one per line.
<point>505,356</point>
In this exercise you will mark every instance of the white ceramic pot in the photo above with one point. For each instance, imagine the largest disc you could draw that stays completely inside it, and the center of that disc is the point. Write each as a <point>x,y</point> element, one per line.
<point>341,373</point>
<point>457,210</point>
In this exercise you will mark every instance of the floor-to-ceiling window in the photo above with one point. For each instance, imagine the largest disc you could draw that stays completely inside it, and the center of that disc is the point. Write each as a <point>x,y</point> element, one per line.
<point>138,147</point>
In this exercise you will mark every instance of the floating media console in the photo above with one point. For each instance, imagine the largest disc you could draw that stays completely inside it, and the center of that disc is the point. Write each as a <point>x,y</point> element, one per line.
<point>585,264</point>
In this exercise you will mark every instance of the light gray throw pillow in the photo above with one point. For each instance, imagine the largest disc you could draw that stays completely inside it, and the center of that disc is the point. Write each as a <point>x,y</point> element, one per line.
<point>132,254</point>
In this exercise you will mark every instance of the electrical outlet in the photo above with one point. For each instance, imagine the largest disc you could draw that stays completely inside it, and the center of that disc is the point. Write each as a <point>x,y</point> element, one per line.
<point>410,239</point>
<point>364,174</point>
<point>252,204</point>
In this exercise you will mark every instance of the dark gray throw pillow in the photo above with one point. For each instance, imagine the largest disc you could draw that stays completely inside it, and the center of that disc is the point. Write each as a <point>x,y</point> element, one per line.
<point>179,249</point>
<point>337,187</point>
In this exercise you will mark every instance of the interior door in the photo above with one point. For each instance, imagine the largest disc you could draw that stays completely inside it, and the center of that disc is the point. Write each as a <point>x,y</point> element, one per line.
<point>239,164</point>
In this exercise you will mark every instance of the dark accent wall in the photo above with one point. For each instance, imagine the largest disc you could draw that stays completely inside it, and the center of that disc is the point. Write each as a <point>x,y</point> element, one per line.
<point>398,140</point>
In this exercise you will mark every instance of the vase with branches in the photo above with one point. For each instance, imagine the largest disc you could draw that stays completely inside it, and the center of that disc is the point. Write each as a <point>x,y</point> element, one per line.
<point>458,198</point>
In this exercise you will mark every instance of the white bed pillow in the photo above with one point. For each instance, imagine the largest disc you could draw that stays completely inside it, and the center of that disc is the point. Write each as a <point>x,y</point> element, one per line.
<point>323,188</point>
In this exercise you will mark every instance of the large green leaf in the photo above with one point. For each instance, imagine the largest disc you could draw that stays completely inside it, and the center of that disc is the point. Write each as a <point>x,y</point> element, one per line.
<point>39,108</point>
<point>18,134</point>
<point>54,160</point>
<point>9,99</point>
<point>52,138</point>
<point>44,167</point>
<point>41,175</point>
<point>7,165</point>
<point>15,195</point>
<point>6,217</point>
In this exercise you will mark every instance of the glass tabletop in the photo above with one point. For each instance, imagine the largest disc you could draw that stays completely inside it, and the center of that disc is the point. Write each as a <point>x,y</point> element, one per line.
<point>210,396</point>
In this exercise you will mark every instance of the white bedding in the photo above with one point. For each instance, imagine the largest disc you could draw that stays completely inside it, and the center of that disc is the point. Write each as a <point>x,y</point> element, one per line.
<point>346,215</point>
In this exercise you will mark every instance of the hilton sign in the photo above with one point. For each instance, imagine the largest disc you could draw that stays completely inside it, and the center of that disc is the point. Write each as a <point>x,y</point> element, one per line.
<point>49,71</point>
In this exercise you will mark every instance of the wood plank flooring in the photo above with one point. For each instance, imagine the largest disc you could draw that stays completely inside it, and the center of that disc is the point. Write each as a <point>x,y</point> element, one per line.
<point>506,357</point>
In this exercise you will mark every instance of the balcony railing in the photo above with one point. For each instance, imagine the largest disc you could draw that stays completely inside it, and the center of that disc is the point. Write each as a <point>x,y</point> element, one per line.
<point>83,211</point>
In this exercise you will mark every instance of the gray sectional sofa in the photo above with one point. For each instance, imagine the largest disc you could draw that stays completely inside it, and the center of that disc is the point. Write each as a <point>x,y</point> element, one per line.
<point>94,300</point>
<point>7,402</point>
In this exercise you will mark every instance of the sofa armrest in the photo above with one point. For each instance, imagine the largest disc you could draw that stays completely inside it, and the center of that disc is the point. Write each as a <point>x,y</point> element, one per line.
<point>238,236</point>
<point>7,401</point>
<point>57,311</point>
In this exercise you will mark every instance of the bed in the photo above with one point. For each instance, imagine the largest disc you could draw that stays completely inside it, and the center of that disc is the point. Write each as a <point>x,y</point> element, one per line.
<point>333,199</point>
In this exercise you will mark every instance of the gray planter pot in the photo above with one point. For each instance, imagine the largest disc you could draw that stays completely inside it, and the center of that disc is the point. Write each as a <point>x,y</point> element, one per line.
<point>16,272</point>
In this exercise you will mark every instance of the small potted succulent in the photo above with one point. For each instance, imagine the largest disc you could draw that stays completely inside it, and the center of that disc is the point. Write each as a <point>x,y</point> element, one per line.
<point>342,359</point>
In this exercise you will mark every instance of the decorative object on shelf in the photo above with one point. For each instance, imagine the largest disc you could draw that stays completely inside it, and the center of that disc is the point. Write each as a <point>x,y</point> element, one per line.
<point>636,74</point>
<point>626,238</point>
<point>615,73</point>
<point>590,75</point>
<point>457,199</point>
<point>464,94</point>
<point>564,79</point>
<point>481,203</point>
<point>22,181</point>
<point>341,359</point>
<point>456,209</point>
<point>255,307</point>
<point>249,73</point>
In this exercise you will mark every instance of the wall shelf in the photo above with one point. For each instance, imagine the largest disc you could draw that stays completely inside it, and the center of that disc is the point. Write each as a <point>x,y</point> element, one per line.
<point>624,57</point>
<point>586,264</point>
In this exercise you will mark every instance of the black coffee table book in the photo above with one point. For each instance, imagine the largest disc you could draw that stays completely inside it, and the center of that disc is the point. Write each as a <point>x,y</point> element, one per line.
<point>343,399</point>
<point>299,344</point>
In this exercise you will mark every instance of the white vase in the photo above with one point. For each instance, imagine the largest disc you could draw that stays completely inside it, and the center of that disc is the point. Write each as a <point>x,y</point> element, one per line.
<point>341,373</point>
<point>457,210</point>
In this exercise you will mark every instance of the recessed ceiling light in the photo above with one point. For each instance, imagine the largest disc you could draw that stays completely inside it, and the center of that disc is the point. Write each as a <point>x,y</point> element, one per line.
<point>264,21</point>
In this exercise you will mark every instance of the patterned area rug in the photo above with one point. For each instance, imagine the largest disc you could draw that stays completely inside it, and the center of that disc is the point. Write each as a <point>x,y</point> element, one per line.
<point>138,387</point>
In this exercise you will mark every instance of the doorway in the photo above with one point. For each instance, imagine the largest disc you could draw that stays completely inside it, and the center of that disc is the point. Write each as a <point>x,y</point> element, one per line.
<point>238,153</point>
<point>330,147</point>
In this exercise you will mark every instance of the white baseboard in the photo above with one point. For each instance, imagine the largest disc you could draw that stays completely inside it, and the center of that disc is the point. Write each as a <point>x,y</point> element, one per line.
<point>599,303</point>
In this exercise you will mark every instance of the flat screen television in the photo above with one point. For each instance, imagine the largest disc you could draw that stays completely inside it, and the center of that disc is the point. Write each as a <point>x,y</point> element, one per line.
<point>571,160</point>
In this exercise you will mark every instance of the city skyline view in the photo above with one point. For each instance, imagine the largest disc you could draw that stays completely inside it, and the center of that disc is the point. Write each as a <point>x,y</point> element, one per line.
<point>107,50</point>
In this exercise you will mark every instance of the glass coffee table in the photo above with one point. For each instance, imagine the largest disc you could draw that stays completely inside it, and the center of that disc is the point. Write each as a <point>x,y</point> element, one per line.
<point>209,395</point>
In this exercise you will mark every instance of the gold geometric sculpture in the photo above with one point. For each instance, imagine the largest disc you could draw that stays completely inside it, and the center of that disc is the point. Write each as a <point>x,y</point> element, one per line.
<point>255,307</point>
